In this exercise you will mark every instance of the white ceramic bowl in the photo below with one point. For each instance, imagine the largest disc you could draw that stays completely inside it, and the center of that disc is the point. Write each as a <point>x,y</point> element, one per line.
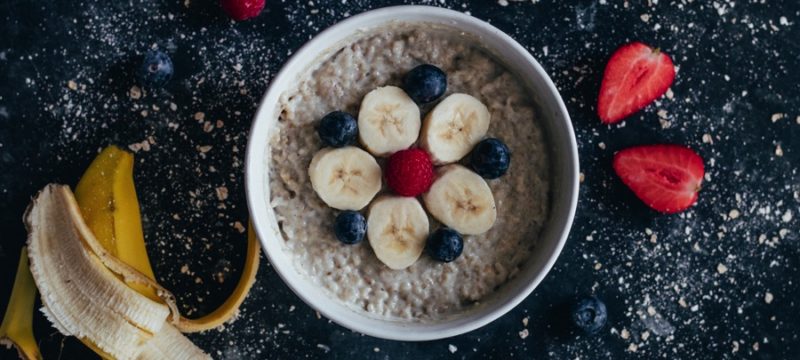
<point>550,111</point>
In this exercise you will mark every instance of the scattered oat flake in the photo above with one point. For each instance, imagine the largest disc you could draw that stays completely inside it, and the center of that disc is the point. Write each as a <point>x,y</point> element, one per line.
<point>72,85</point>
<point>670,94</point>
<point>778,150</point>
<point>525,321</point>
<point>452,348</point>
<point>645,17</point>
<point>721,268</point>
<point>625,334</point>
<point>632,347</point>
<point>239,227</point>
<point>222,193</point>
<point>502,2</point>
<point>707,139</point>
<point>199,116</point>
<point>204,149</point>
<point>185,269</point>
<point>325,348</point>
<point>524,333</point>
<point>734,213</point>
<point>777,116</point>
<point>768,297</point>
<point>787,216</point>
<point>581,177</point>
<point>135,92</point>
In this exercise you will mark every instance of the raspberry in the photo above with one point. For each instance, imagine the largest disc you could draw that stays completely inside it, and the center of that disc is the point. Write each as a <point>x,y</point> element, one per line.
<point>409,172</point>
<point>240,10</point>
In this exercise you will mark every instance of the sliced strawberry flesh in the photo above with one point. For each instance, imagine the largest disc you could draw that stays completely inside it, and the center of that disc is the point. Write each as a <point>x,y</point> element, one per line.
<point>666,177</point>
<point>634,77</point>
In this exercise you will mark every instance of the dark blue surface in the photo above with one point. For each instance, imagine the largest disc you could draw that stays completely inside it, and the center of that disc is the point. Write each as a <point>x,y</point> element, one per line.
<point>718,281</point>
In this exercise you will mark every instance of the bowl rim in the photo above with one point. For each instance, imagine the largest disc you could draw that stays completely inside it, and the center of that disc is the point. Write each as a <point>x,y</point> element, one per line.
<point>254,162</point>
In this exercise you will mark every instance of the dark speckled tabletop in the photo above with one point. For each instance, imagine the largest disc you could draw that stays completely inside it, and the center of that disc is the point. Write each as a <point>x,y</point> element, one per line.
<point>718,281</point>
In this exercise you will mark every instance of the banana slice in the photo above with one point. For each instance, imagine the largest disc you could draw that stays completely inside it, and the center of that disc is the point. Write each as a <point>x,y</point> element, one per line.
<point>345,178</point>
<point>462,200</point>
<point>388,121</point>
<point>397,228</point>
<point>453,128</point>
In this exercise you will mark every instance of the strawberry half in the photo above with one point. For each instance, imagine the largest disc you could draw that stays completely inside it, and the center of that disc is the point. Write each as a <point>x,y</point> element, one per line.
<point>634,77</point>
<point>666,177</point>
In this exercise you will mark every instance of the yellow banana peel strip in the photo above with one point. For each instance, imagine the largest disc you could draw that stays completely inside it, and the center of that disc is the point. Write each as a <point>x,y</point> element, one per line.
<point>229,308</point>
<point>17,327</point>
<point>107,198</point>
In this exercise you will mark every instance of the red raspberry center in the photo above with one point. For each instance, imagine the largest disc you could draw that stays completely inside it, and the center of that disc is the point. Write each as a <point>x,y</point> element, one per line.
<point>409,172</point>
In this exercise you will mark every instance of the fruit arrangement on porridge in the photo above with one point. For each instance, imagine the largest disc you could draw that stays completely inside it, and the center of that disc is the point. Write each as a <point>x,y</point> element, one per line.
<point>391,175</point>
<point>348,178</point>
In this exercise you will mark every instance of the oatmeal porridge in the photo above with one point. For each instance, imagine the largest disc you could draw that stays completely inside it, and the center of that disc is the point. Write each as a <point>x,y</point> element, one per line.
<point>426,290</point>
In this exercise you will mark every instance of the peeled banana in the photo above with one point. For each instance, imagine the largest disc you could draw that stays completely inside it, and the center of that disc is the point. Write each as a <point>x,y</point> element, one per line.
<point>81,296</point>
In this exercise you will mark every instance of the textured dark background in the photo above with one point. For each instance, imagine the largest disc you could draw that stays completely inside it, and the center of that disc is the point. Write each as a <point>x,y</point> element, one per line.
<point>703,284</point>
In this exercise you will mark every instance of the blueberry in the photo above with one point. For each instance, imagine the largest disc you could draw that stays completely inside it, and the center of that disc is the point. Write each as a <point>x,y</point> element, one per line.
<point>156,69</point>
<point>425,83</point>
<point>589,315</point>
<point>350,227</point>
<point>490,158</point>
<point>445,245</point>
<point>338,129</point>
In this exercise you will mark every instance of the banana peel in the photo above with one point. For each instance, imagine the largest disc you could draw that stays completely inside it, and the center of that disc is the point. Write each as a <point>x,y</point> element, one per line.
<point>102,228</point>
<point>230,307</point>
<point>107,198</point>
<point>17,327</point>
